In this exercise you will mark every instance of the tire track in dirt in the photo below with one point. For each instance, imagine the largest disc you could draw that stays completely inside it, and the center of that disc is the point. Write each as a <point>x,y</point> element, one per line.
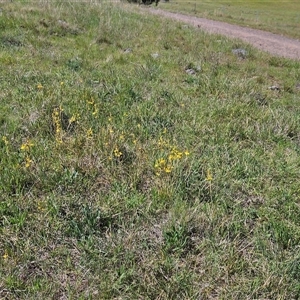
<point>275,44</point>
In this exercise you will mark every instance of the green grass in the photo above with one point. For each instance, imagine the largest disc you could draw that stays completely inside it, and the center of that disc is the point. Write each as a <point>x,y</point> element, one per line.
<point>125,177</point>
<point>281,17</point>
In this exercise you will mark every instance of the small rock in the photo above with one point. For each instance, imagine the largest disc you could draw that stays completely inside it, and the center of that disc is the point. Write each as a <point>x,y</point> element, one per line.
<point>242,53</point>
<point>155,55</point>
<point>198,68</point>
<point>298,86</point>
<point>128,50</point>
<point>274,88</point>
<point>33,117</point>
<point>63,23</point>
<point>190,71</point>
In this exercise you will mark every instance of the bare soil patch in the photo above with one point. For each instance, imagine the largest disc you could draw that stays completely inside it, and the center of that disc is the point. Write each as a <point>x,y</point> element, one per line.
<point>273,43</point>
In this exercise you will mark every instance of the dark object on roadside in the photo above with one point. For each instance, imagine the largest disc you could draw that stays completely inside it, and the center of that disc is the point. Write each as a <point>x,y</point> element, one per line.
<point>242,53</point>
<point>149,2</point>
<point>145,2</point>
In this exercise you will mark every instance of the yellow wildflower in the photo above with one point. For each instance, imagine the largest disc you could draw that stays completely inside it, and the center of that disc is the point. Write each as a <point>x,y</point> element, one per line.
<point>5,255</point>
<point>175,154</point>
<point>57,124</point>
<point>89,133</point>
<point>209,176</point>
<point>162,143</point>
<point>117,152</point>
<point>40,206</point>
<point>39,86</point>
<point>4,139</point>
<point>161,162</point>
<point>26,146</point>
<point>74,118</point>
<point>161,165</point>
<point>96,110</point>
<point>28,162</point>
<point>168,168</point>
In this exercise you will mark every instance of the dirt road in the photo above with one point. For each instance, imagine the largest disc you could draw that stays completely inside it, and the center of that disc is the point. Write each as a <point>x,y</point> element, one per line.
<point>273,43</point>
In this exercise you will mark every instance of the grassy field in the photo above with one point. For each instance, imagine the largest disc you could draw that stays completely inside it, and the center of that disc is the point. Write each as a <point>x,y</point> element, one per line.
<point>142,159</point>
<point>281,17</point>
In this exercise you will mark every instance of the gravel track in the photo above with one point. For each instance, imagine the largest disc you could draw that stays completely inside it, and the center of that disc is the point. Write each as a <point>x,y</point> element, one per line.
<point>275,44</point>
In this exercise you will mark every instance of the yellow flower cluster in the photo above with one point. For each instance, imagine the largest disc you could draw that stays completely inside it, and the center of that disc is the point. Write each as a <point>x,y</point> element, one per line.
<point>117,152</point>
<point>122,136</point>
<point>175,154</point>
<point>162,165</point>
<point>74,118</point>
<point>89,133</point>
<point>166,165</point>
<point>28,162</point>
<point>5,255</point>
<point>162,143</point>
<point>94,106</point>
<point>25,147</point>
<point>4,139</point>
<point>6,142</point>
<point>56,118</point>
<point>40,206</point>
<point>208,176</point>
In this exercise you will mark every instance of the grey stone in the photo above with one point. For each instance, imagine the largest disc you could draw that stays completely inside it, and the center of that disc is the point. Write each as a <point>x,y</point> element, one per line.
<point>274,88</point>
<point>190,71</point>
<point>128,50</point>
<point>242,53</point>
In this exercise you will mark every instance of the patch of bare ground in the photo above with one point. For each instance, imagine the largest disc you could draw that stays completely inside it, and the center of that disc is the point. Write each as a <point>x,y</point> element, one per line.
<point>273,43</point>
